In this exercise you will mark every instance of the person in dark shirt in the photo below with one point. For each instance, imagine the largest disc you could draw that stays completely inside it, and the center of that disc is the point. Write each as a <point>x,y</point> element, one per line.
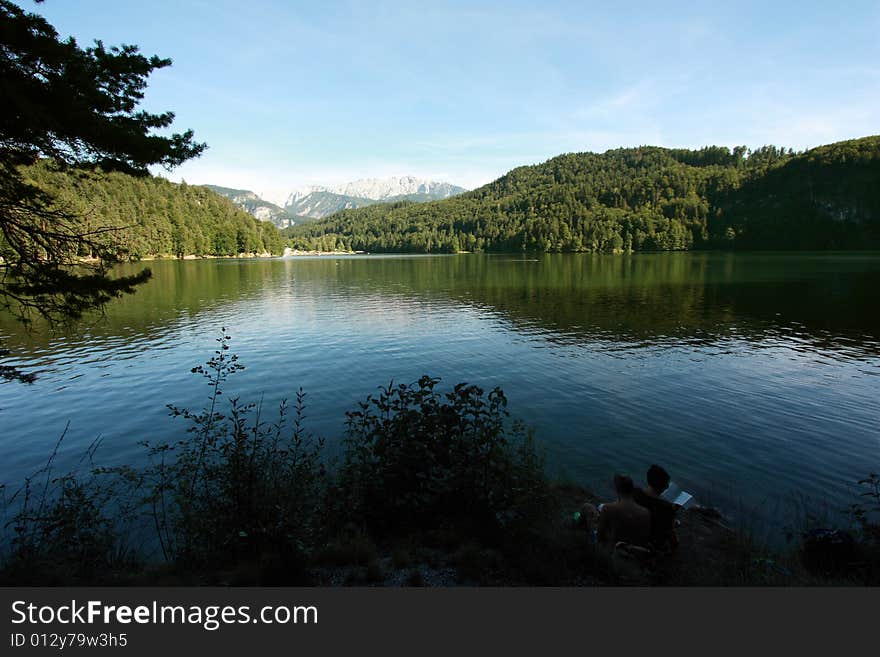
<point>663,534</point>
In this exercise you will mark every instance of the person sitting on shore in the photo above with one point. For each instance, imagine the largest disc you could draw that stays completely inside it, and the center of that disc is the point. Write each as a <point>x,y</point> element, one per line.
<point>663,534</point>
<point>624,520</point>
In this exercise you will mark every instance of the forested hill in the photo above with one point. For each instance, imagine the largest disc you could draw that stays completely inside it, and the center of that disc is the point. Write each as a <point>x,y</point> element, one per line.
<point>159,217</point>
<point>645,198</point>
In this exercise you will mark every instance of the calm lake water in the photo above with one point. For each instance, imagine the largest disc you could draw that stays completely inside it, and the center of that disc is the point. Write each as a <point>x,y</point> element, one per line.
<point>755,379</point>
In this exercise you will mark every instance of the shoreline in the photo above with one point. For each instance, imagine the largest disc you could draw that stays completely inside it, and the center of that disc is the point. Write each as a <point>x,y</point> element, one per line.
<point>289,252</point>
<point>193,256</point>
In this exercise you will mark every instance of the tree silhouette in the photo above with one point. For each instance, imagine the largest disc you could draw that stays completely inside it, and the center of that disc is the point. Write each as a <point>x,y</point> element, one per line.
<point>77,108</point>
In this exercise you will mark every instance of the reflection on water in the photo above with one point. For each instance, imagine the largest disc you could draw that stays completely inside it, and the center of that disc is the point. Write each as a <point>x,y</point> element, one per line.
<point>749,376</point>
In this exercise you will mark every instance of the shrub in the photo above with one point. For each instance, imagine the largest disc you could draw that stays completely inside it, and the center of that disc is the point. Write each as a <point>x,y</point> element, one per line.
<point>866,513</point>
<point>236,486</point>
<point>63,528</point>
<point>417,459</point>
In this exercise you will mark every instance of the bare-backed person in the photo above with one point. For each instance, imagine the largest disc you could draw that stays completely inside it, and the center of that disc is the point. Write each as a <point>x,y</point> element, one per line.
<point>624,520</point>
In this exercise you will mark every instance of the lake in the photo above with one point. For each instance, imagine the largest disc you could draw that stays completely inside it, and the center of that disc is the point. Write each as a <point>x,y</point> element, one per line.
<point>753,378</point>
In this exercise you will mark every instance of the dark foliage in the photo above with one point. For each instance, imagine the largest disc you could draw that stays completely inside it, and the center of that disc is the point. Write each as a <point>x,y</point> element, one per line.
<point>417,459</point>
<point>236,486</point>
<point>66,528</point>
<point>79,107</point>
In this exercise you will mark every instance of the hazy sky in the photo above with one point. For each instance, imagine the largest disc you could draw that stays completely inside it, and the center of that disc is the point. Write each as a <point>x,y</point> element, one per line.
<point>290,93</point>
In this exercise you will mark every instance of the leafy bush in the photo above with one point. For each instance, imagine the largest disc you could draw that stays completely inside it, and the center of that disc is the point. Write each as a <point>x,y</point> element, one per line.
<point>63,529</point>
<point>867,512</point>
<point>417,459</point>
<point>236,486</point>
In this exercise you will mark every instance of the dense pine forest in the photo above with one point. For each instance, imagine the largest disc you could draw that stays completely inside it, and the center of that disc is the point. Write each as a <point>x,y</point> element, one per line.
<point>155,216</point>
<point>637,199</point>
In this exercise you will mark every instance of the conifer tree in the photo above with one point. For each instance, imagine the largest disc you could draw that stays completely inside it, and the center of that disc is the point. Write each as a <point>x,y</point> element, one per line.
<point>78,109</point>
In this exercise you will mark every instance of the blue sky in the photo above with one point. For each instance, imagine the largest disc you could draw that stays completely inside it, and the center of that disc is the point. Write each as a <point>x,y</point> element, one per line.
<point>294,93</point>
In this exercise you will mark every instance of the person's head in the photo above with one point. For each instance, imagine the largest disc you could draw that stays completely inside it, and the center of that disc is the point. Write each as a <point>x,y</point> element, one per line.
<point>658,478</point>
<point>624,486</point>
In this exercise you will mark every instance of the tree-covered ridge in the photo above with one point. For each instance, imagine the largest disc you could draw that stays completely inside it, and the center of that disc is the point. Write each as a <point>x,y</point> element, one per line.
<point>646,198</point>
<point>155,216</point>
<point>825,198</point>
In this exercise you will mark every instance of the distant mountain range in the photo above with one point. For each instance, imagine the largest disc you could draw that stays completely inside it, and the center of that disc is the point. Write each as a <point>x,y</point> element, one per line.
<point>258,207</point>
<point>319,203</point>
<point>316,202</point>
